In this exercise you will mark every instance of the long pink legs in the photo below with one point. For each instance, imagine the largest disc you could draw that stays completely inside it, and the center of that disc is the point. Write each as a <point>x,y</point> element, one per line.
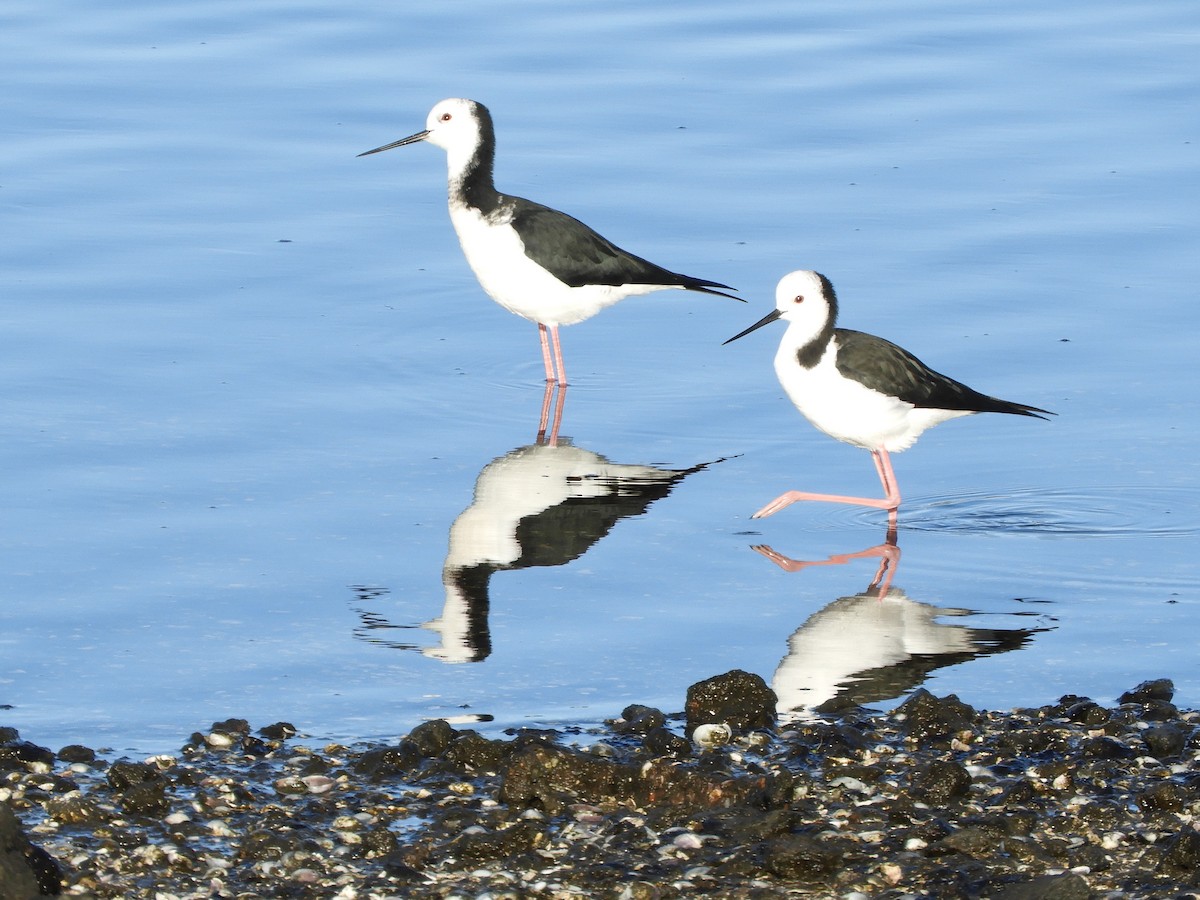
<point>890,502</point>
<point>555,371</point>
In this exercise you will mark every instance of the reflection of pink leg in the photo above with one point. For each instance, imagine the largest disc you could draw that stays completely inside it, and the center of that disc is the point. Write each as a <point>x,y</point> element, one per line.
<point>551,439</point>
<point>545,418</point>
<point>887,477</point>
<point>888,553</point>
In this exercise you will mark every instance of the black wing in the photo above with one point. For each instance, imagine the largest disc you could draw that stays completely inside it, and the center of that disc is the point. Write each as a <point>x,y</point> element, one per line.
<point>882,366</point>
<point>576,255</point>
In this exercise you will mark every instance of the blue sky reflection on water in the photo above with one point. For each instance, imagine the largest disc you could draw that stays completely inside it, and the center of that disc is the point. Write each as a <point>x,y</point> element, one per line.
<point>251,385</point>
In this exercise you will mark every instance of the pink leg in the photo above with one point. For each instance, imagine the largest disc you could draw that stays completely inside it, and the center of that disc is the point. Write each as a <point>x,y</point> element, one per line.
<point>543,337</point>
<point>558,359</point>
<point>890,502</point>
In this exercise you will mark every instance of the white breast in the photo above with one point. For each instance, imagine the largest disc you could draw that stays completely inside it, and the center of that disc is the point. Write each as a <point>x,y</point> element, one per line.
<point>846,410</point>
<point>497,256</point>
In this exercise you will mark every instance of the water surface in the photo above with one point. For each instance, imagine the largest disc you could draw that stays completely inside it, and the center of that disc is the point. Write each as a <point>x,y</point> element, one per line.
<point>250,385</point>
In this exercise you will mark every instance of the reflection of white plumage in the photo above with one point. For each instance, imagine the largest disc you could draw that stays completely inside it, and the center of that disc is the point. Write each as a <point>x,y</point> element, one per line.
<point>866,648</point>
<point>538,505</point>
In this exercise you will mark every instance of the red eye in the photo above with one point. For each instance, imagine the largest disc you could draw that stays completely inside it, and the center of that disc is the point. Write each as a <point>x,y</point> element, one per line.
<point>446,117</point>
<point>799,298</point>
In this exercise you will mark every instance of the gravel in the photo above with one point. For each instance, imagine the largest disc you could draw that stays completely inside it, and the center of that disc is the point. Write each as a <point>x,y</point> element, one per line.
<point>933,799</point>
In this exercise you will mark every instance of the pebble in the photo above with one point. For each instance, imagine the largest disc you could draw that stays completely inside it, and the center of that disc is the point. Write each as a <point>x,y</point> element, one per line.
<point>934,800</point>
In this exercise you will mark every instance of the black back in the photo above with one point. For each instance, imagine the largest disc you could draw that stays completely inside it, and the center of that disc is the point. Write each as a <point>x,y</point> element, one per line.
<point>576,255</point>
<point>882,366</point>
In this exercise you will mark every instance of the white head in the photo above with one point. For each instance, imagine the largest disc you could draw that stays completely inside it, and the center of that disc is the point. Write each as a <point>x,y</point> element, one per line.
<point>456,125</point>
<point>806,301</point>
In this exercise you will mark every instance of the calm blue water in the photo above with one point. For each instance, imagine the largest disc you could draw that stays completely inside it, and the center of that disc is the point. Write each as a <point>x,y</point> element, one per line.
<point>260,425</point>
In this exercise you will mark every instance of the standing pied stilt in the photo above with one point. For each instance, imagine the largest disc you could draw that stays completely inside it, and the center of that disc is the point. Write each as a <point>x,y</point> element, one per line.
<point>534,261</point>
<point>859,388</point>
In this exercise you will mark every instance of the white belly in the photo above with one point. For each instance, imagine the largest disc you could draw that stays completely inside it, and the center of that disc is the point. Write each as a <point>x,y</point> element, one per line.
<point>846,410</point>
<point>520,285</point>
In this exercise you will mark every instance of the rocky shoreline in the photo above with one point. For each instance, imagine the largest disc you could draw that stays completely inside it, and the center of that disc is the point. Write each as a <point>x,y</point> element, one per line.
<point>932,800</point>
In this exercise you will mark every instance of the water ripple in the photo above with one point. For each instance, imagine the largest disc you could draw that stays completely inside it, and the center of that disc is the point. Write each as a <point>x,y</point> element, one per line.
<point>1116,511</point>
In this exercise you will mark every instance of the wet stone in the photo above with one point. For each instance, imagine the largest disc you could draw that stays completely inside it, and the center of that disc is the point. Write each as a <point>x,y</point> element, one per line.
<point>802,858</point>
<point>432,738</point>
<point>76,753</point>
<point>940,781</point>
<point>1158,689</point>
<point>637,719</point>
<point>1164,797</point>
<point>472,752</point>
<point>938,801</point>
<point>738,699</point>
<point>123,774</point>
<point>928,718</point>
<point>1046,887</point>
<point>664,742</point>
<point>18,754</point>
<point>26,870</point>
<point>1166,741</point>
<point>388,762</point>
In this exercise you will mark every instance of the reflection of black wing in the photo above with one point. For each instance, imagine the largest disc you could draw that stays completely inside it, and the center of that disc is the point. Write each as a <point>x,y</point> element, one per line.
<point>888,682</point>
<point>472,582</point>
<point>557,535</point>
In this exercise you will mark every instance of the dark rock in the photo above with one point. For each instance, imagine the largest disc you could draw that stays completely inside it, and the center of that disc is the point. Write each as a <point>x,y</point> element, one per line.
<point>433,737</point>
<point>925,717</point>
<point>664,742</point>
<point>1165,741</point>
<point>738,699</point>
<point>74,809</point>
<point>978,841</point>
<point>940,780</point>
<point>669,783</point>
<point>549,776</point>
<point>1087,712</point>
<point>1159,689</point>
<point>280,731</point>
<point>1046,887</point>
<point>1165,796</point>
<point>472,752</point>
<point>124,774</point>
<point>1159,711</point>
<point>388,762</point>
<point>1105,747</point>
<point>19,754</point>
<point>26,871</point>
<point>379,842</point>
<point>262,845</point>
<point>638,719</point>
<point>478,846</point>
<point>231,727</point>
<point>148,798</point>
<point>802,858</point>
<point>1181,853</point>
<point>77,753</point>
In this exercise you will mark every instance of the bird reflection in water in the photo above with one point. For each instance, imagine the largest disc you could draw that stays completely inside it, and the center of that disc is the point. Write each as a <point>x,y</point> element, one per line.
<point>543,504</point>
<point>876,645</point>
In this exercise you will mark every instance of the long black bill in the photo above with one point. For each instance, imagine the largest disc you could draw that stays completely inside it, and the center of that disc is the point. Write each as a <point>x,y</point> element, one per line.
<point>765,320</point>
<point>411,139</point>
